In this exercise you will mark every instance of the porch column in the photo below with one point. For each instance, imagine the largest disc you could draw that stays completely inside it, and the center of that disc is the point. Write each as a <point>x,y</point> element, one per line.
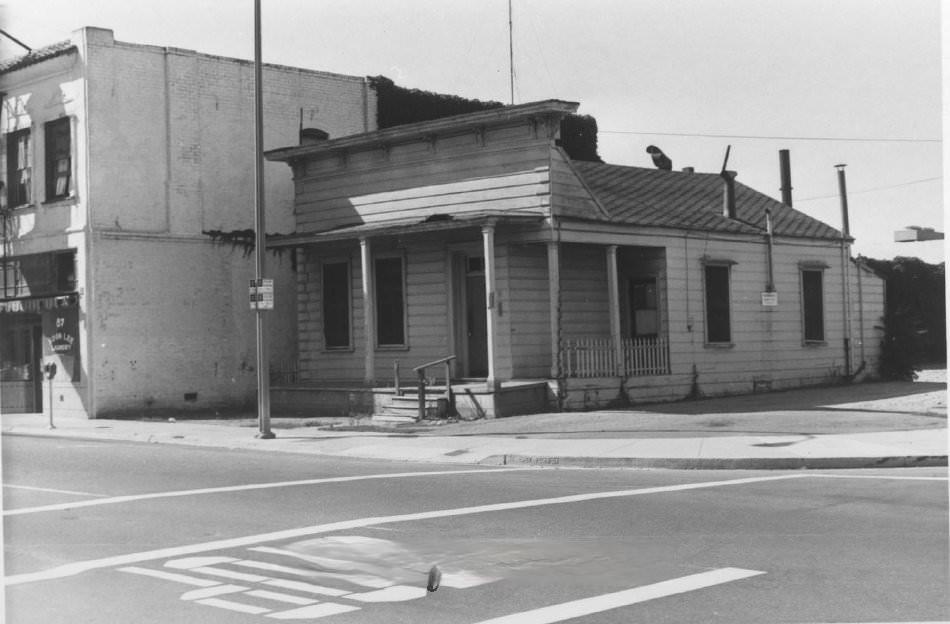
<point>488,245</point>
<point>613,305</point>
<point>369,321</point>
<point>554,294</point>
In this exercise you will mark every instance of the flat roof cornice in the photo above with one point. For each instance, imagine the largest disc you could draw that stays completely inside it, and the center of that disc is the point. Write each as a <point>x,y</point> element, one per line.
<point>408,132</point>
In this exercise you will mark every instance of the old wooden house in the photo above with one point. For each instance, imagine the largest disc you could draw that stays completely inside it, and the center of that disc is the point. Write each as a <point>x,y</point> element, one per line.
<point>556,284</point>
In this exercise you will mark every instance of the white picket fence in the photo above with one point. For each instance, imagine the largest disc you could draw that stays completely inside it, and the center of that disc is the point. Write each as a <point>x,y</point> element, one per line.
<point>597,357</point>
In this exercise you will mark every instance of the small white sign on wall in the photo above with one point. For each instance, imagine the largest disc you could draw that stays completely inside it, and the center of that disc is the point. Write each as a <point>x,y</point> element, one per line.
<point>261,294</point>
<point>770,299</point>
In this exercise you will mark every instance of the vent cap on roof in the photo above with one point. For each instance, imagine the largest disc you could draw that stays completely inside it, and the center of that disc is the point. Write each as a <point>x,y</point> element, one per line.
<point>309,136</point>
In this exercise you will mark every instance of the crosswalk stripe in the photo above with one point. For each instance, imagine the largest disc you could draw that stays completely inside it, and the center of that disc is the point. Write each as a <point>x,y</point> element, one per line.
<point>233,606</point>
<point>170,576</point>
<point>297,600</point>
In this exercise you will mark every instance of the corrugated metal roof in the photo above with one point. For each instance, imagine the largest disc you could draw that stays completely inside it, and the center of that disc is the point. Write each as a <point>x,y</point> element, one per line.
<point>35,56</point>
<point>675,199</point>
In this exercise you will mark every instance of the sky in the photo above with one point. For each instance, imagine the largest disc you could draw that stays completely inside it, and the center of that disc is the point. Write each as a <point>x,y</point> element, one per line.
<point>855,82</point>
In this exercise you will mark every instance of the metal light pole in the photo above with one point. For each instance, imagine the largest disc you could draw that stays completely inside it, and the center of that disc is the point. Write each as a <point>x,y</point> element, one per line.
<point>263,372</point>
<point>845,265</point>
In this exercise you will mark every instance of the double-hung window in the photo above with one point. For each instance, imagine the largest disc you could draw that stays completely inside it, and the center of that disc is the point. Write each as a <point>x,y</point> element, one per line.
<point>389,280</point>
<point>813,307</point>
<point>58,159</point>
<point>19,168</point>
<point>718,323</point>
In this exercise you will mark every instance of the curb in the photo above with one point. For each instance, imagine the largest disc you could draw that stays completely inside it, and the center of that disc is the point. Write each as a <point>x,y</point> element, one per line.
<point>716,463</point>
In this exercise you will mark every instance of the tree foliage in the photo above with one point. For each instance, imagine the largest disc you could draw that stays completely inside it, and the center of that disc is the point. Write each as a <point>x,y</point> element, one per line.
<point>396,106</point>
<point>915,325</point>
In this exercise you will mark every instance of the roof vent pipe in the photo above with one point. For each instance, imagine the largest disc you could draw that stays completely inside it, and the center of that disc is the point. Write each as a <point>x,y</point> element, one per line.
<point>728,188</point>
<point>786,174</point>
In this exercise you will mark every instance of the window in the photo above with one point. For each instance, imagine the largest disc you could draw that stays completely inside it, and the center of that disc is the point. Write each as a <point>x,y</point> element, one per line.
<point>813,306</point>
<point>643,304</point>
<point>336,305</point>
<point>58,159</point>
<point>38,275</point>
<point>390,302</point>
<point>717,304</point>
<point>19,172</point>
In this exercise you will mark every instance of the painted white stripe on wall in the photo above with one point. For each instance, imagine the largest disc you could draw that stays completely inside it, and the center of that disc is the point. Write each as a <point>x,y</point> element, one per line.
<point>241,488</point>
<point>78,567</point>
<point>606,602</point>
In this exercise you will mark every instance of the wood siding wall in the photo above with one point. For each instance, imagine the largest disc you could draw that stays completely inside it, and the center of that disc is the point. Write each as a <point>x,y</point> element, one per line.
<point>412,181</point>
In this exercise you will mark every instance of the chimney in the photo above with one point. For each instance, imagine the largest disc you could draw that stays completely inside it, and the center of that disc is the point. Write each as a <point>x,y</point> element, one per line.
<point>728,193</point>
<point>310,136</point>
<point>689,169</point>
<point>786,174</point>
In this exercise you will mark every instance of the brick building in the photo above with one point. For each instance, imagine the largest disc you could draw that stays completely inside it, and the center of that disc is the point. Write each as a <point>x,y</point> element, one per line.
<point>116,158</point>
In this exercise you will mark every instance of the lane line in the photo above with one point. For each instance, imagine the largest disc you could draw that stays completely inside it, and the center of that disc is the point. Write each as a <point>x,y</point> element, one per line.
<point>892,477</point>
<point>40,489</point>
<point>606,602</point>
<point>78,567</point>
<point>114,500</point>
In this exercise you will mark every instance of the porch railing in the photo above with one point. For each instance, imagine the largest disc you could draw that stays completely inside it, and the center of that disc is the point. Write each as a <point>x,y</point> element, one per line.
<point>597,357</point>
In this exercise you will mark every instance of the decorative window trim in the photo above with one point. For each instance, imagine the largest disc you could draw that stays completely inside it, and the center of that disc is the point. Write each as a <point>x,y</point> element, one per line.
<point>711,261</point>
<point>813,265</point>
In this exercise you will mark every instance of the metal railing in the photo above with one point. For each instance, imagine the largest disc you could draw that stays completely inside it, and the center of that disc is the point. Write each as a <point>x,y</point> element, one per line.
<point>421,382</point>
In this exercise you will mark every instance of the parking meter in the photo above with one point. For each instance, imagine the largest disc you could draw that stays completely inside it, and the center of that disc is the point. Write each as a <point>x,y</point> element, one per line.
<point>50,369</point>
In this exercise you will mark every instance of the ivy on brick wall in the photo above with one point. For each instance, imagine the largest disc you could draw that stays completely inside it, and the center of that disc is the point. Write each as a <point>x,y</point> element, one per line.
<point>397,106</point>
<point>245,241</point>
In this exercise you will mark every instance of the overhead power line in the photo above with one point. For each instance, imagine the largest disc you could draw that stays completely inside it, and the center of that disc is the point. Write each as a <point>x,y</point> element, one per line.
<point>776,138</point>
<point>872,190</point>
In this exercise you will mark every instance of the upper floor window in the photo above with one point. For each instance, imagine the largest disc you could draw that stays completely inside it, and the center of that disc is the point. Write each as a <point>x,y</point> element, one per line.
<point>813,320</point>
<point>718,325</point>
<point>19,169</point>
<point>58,159</point>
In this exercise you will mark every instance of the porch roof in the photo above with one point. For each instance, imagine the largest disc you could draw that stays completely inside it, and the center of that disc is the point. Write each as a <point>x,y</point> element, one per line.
<point>682,200</point>
<point>432,223</point>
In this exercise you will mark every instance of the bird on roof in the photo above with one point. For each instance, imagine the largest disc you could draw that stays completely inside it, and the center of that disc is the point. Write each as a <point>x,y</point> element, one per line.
<point>660,159</point>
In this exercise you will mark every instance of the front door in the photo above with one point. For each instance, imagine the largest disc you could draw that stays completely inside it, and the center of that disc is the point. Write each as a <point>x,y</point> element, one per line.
<point>476,323</point>
<point>21,384</point>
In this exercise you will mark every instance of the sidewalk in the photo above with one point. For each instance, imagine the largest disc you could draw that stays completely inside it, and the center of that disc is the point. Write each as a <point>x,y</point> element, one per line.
<point>891,424</point>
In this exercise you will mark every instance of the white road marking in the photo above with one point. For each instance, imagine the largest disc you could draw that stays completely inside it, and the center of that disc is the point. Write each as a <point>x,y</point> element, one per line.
<point>170,576</point>
<point>313,611</point>
<point>209,592</point>
<point>892,477</point>
<point>53,490</point>
<point>272,595</point>
<point>233,606</point>
<point>305,587</point>
<point>231,574</point>
<point>114,500</point>
<point>396,593</point>
<point>605,602</point>
<point>366,580</point>
<point>78,567</point>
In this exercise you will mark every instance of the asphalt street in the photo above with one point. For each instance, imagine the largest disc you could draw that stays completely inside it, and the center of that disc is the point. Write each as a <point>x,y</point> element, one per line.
<point>127,532</point>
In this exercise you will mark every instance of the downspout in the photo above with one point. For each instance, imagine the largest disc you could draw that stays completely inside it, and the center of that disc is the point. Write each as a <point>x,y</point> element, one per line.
<point>845,273</point>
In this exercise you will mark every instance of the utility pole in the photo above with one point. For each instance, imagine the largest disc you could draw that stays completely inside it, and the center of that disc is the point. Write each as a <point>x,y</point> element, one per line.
<point>263,372</point>
<point>511,55</point>
<point>845,267</point>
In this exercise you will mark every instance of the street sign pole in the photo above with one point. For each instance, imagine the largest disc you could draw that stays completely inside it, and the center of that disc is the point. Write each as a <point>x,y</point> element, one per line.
<point>263,372</point>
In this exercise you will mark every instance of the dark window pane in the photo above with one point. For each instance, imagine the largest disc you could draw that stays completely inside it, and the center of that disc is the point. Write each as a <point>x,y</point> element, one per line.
<point>390,324</point>
<point>58,159</point>
<point>336,305</point>
<point>813,305</point>
<point>19,179</point>
<point>717,304</point>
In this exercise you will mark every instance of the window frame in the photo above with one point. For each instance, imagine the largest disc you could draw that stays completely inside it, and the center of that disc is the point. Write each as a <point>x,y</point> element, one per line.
<point>346,262</point>
<point>820,271</point>
<point>725,265</point>
<point>58,129</point>
<point>377,311</point>
<point>16,165</point>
